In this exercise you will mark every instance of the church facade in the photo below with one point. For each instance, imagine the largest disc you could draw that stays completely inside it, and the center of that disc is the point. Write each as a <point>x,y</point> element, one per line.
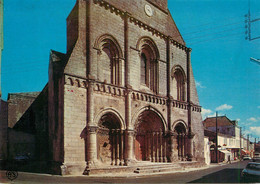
<point>124,92</point>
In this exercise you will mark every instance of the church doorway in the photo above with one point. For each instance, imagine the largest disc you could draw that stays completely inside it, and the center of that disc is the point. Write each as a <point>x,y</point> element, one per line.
<point>110,140</point>
<point>150,140</point>
<point>180,130</point>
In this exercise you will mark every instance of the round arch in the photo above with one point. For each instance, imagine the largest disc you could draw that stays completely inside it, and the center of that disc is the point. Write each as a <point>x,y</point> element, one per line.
<point>150,142</point>
<point>178,68</point>
<point>138,112</point>
<point>107,38</point>
<point>110,111</point>
<point>147,41</point>
<point>179,123</point>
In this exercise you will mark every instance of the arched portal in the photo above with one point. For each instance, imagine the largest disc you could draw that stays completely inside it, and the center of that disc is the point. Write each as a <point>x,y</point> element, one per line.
<point>110,140</point>
<point>150,140</point>
<point>180,130</point>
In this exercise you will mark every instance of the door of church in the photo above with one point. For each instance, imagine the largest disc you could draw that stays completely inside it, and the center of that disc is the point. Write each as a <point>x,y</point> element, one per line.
<point>139,147</point>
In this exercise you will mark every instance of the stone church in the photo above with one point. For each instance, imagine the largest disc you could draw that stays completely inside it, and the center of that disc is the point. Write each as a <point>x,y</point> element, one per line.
<point>124,93</point>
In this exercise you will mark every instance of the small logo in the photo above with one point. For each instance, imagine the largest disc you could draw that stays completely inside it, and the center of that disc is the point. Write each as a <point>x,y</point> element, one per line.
<point>11,175</point>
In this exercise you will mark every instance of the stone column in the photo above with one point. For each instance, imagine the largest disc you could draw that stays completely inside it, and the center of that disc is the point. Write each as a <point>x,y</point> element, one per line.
<point>156,146</point>
<point>91,145</point>
<point>91,139</point>
<point>173,147</point>
<point>152,146</point>
<point>185,145</point>
<point>121,145</point>
<point>117,147</point>
<point>165,144</point>
<point>146,146</point>
<point>112,146</point>
<point>160,147</point>
<point>182,146</point>
<point>190,146</point>
<point>129,143</point>
<point>190,133</point>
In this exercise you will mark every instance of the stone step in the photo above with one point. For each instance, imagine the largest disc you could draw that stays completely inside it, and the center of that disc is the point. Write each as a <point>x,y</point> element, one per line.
<point>157,168</point>
<point>156,165</point>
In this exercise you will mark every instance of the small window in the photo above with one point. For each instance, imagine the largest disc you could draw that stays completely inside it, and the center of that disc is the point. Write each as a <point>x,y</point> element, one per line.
<point>143,69</point>
<point>180,85</point>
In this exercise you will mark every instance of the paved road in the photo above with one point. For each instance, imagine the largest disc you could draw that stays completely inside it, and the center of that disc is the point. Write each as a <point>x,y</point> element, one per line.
<point>229,173</point>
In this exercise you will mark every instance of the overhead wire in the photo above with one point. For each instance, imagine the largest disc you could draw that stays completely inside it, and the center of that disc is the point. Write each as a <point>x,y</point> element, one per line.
<point>212,22</point>
<point>216,38</point>
<point>214,33</point>
<point>203,30</point>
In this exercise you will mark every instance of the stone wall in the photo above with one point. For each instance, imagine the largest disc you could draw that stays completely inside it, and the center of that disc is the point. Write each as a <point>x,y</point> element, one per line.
<point>86,58</point>
<point>18,103</point>
<point>3,129</point>
<point>74,123</point>
<point>35,122</point>
<point>21,144</point>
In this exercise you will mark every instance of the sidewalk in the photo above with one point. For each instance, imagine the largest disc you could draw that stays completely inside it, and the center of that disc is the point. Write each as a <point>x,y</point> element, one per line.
<point>4,179</point>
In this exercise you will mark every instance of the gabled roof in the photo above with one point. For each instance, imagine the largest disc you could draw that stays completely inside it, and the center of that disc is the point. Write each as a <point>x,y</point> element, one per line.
<point>22,95</point>
<point>221,120</point>
<point>162,20</point>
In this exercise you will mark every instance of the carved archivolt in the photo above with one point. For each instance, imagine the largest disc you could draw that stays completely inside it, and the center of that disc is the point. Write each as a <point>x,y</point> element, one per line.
<point>108,40</point>
<point>140,113</point>
<point>180,126</point>
<point>178,68</point>
<point>148,44</point>
<point>112,114</point>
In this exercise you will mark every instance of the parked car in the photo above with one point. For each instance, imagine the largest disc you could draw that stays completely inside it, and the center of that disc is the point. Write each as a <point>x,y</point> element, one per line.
<point>22,158</point>
<point>251,173</point>
<point>256,159</point>
<point>246,157</point>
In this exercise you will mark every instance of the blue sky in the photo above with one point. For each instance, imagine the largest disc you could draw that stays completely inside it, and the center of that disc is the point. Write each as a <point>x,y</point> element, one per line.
<point>227,81</point>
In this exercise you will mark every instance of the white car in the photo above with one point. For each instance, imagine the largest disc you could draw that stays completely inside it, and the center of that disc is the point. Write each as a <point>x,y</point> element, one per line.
<point>246,157</point>
<point>252,172</point>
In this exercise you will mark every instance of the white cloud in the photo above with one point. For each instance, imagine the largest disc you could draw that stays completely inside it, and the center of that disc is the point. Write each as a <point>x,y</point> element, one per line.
<point>199,85</point>
<point>205,112</point>
<point>224,107</point>
<point>255,131</point>
<point>238,119</point>
<point>252,119</point>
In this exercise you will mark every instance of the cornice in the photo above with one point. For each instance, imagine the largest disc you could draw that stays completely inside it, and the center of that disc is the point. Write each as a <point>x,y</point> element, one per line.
<point>100,87</point>
<point>160,8</point>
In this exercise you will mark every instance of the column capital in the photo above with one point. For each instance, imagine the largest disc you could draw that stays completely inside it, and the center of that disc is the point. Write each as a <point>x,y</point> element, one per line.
<point>127,14</point>
<point>190,135</point>
<point>188,50</point>
<point>91,129</point>
<point>172,134</point>
<point>130,132</point>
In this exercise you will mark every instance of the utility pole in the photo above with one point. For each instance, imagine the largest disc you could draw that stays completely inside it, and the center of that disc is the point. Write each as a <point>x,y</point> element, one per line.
<point>216,137</point>
<point>248,25</point>
<point>1,38</point>
<point>240,142</point>
<point>247,142</point>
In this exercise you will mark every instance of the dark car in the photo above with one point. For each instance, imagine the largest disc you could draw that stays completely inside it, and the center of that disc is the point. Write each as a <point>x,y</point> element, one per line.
<point>256,159</point>
<point>251,173</point>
